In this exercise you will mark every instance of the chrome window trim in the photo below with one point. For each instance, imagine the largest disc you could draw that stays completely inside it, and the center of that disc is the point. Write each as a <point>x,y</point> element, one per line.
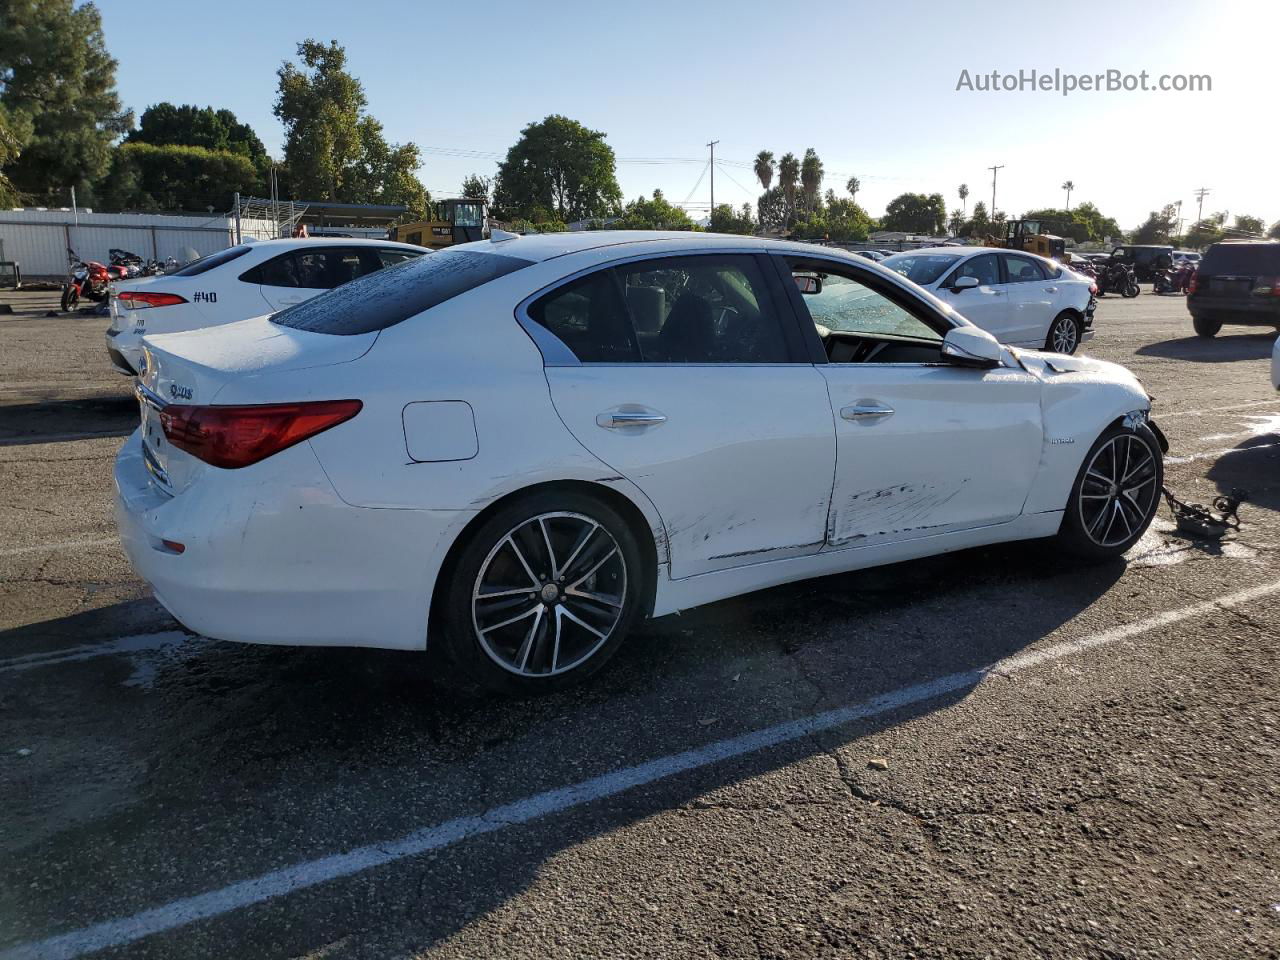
<point>148,396</point>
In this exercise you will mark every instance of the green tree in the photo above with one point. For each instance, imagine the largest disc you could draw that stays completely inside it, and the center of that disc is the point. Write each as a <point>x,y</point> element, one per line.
<point>172,177</point>
<point>166,125</point>
<point>1158,226</point>
<point>834,219</point>
<point>334,149</point>
<point>916,213</point>
<point>1254,225</point>
<point>788,176</point>
<point>57,81</point>
<point>724,219</point>
<point>956,223</point>
<point>1274,232</point>
<point>771,211</point>
<point>1068,186</point>
<point>560,167</point>
<point>853,185</point>
<point>979,225</point>
<point>477,187</point>
<point>14,133</point>
<point>763,168</point>
<point>963,193</point>
<point>811,171</point>
<point>652,214</point>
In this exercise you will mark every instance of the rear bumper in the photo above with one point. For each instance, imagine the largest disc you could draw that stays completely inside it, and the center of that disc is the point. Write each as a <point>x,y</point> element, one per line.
<point>278,558</point>
<point>124,350</point>
<point>1252,311</point>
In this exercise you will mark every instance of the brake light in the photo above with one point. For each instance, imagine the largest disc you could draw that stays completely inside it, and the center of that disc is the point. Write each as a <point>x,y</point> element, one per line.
<point>233,437</point>
<point>140,300</point>
<point>1267,287</point>
<point>1194,285</point>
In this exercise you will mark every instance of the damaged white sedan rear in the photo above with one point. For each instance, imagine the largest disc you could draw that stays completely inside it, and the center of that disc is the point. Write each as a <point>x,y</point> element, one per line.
<point>515,449</point>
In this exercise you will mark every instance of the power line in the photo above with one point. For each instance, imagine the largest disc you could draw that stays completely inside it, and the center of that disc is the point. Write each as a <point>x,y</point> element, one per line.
<point>735,180</point>
<point>696,185</point>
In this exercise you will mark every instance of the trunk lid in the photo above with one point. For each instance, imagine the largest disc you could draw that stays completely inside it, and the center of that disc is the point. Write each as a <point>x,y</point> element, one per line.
<point>192,368</point>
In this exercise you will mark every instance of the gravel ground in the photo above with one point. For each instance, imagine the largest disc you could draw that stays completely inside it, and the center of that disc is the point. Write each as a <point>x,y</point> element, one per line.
<point>1102,793</point>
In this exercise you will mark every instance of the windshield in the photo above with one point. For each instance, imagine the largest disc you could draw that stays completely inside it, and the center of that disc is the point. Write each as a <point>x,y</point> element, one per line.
<point>384,298</point>
<point>921,268</point>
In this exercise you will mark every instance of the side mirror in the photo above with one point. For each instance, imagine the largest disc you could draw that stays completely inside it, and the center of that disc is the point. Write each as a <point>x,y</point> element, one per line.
<point>809,285</point>
<point>965,283</point>
<point>971,347</point>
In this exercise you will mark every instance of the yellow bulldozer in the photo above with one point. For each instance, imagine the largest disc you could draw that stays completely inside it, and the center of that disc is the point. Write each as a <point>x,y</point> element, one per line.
<point>1029,235</point>
<point>455,221</point>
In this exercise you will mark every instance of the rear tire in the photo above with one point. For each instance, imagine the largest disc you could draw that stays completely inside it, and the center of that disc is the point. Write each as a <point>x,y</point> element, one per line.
<point>1064,333</point>
<point>542,594</point>
<point>1206,328</point>
<point>1115,496</point>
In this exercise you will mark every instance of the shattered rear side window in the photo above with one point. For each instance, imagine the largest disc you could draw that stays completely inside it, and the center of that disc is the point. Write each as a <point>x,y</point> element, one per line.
<point>387,297</point>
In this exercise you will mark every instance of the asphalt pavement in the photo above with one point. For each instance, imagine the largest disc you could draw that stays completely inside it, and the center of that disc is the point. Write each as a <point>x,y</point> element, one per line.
<point>995,753</point>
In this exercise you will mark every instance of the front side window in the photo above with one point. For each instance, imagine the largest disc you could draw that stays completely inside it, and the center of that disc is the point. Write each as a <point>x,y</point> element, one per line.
<point>843,304</point>
<point>920,268</point>
<point>694,309</point>
<point>985,267</point>
<point>1022,270</point>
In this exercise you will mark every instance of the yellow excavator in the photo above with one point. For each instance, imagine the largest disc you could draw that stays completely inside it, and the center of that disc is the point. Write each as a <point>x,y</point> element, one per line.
<point>455,221</point>
<point>1030,236</point>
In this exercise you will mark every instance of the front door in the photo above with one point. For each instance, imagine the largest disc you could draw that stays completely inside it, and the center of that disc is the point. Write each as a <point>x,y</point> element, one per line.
<point>922,447</point>
<point>688,384</point>
<point>987,304</point>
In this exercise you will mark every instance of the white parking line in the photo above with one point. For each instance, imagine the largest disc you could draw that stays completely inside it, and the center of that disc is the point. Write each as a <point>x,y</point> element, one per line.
<point>310,873</point>
<point>138,643</point>
<point>63,545</point>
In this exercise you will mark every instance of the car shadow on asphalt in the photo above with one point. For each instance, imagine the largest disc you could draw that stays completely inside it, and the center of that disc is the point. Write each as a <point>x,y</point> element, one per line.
<point>346,747</point>
<point>1224,348</point>
<point>1253,466</point>
<point>55,421</point>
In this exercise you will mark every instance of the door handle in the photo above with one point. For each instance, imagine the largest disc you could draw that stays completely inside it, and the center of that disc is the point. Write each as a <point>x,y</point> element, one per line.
<point>1050,289</point>
<point>627,418</point>
<point>866,411</point>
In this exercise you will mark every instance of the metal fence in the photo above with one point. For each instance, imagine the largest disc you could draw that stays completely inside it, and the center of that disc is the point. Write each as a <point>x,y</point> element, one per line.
<point>38,239</point>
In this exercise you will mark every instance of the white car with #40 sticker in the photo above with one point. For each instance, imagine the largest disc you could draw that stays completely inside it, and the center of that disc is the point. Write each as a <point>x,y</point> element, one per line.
<point>247,280</point>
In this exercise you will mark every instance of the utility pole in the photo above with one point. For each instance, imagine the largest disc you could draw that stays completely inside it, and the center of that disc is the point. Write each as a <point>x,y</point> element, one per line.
<point>994,170</point>
<point>1200,195</point>
<point>712,145</point>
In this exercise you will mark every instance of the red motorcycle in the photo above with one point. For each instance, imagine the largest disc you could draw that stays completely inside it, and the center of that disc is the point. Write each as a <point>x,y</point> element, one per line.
<point>87,280</point>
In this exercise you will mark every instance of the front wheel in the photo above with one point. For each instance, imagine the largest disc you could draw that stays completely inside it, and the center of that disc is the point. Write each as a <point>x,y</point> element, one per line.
<point>542,594</point>
<point>1205,328</point>
<point>1132,289</point>
<point>70,297</point>
<point>1064,334</point>
<point>1115,496</point>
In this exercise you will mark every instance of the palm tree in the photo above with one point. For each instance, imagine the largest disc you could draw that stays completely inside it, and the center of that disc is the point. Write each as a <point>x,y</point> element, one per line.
<point>964,197</point>
<point>1068,186</point>
<point>788,174</point>
<point>853,186</point>
<point>811,176</point>
<point>764,168</point>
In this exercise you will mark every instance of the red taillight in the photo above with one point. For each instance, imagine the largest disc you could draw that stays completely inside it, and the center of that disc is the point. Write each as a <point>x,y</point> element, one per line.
<point>232,437</point>
<point>1194,285</point>
<point>1266,287</point>
<point>140,300</point>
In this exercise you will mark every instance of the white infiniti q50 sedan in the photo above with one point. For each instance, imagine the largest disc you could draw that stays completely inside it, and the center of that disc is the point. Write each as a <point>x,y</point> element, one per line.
<point>516,448</point>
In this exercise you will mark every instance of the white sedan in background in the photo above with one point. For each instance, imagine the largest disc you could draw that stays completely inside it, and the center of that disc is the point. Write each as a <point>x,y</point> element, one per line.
<point>517,448</point>
<point>247,280</point>
<point>1019,298</point>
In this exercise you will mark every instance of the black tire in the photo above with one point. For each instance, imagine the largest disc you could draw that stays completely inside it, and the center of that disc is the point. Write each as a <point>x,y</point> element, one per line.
<point>69,298</point>
<point>1064,333</point>
<point>475,639</point>
<point>1205,327</point>
<point>1132,289</point>
<point>1091,526</point>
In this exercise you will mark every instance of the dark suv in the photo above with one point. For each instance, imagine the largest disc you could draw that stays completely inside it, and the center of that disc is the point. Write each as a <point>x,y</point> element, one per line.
<point>1238,282</point>
<point>1144,258</point>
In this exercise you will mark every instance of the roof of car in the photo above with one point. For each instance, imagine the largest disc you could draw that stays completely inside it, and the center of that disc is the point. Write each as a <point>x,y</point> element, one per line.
<point>949,251</point>
<point>343,241</point>
<point>545,246</point>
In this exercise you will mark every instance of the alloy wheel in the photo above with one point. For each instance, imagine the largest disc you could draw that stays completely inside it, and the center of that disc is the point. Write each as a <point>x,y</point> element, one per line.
<point>1118,494</point>
<point>1065,336</point>
<point>549,594</point>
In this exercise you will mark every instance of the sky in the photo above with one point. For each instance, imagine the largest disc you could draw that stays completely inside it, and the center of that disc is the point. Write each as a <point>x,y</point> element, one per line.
<point>871,86</point>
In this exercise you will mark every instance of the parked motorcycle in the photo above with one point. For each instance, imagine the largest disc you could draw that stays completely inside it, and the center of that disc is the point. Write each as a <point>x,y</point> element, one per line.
<point>1118,278</point>
<point>129,264</point>
<point>86,280</point>
<point>1175,279</point>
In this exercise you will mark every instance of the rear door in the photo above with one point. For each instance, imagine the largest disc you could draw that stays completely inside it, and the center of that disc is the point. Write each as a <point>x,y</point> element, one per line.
<point>301,274</point>
<point>687,376</point>
<point>1033,299</point>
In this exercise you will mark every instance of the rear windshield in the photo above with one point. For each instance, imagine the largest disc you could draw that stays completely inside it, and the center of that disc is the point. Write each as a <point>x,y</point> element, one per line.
<point>920,268</point>
<point>383,299</point>
<point>196,267</point>
<point>1251,259</point>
